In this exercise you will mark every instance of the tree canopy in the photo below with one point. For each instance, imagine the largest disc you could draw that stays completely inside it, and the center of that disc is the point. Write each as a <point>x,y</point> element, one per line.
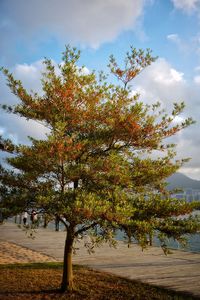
<point>95,170</point>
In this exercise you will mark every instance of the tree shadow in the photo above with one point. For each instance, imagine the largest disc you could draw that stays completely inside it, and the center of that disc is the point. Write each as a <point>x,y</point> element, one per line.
<point>25,292</point>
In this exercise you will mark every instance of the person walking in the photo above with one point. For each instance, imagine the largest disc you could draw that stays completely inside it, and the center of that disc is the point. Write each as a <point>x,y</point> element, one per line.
<point>33,217</point>
<point>25,217</point>
<point>57,221</point>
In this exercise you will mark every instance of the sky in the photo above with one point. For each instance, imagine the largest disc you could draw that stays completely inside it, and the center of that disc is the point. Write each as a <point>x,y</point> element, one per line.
<point>33,29</point>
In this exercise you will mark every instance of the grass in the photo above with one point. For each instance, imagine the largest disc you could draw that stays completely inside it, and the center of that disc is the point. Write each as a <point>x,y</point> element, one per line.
<point>42,281</point>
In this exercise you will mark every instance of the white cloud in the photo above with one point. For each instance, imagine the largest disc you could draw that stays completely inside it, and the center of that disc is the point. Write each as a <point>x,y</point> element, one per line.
<point>189,47</point>
<point>11,125</point>
<point>166,75</point>
<point>191,172</point>
<point>2,130</point>
<point>173,37</point>
<point>158,80</point>
<point>197,79</point>
<point>26,70</point>
<point>178,120</point>
<point>181,44</point>
<point>89,22</point>
<point>161,82</point>
<point>170,78</point>
<point>30,75</point>
<point>85,71</point>
<point>197,69</point>
<point>18,129</point>
<point>187,6</point>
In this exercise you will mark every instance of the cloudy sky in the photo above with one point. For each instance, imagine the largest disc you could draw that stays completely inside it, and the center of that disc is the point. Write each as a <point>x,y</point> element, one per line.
<point>33,29</point>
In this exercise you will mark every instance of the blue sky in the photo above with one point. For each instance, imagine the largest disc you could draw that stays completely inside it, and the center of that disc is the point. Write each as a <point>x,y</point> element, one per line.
<point>32,29</point>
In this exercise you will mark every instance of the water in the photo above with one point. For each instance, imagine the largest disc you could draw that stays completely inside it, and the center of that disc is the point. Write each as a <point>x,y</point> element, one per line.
<point>193,244</point>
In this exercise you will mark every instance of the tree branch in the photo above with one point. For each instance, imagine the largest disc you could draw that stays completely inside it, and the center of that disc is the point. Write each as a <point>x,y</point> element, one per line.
<point>85,228</point>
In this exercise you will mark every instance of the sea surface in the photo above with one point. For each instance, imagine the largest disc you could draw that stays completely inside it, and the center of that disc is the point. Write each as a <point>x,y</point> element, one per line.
<point>193,241</point>
<point>193,244</point>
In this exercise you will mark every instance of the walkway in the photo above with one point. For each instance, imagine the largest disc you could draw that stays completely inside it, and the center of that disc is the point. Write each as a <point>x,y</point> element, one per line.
<point>179,271</point>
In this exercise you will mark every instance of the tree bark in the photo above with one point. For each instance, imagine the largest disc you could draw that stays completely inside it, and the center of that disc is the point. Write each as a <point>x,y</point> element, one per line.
<point>67,279</point>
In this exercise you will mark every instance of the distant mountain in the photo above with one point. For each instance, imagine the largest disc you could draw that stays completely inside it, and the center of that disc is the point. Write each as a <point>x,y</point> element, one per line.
<point>179,180</point>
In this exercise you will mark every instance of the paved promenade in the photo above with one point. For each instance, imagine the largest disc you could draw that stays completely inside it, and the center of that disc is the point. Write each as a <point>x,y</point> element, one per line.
<point>179,271</point>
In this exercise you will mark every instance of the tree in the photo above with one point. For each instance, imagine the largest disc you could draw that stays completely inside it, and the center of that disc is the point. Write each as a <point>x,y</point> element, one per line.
<point>94,170</point>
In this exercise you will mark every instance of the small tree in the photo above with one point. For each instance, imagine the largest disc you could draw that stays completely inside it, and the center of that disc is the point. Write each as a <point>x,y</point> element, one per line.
<point>94,170</point>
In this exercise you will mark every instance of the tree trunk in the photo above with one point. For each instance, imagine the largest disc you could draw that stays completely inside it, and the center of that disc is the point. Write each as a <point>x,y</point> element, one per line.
<point>20,219</point>
<point>67,279</point>
<point>45,221</point>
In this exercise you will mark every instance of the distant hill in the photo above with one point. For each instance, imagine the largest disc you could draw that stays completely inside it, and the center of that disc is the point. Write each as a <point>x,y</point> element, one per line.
<point>179,180</point>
